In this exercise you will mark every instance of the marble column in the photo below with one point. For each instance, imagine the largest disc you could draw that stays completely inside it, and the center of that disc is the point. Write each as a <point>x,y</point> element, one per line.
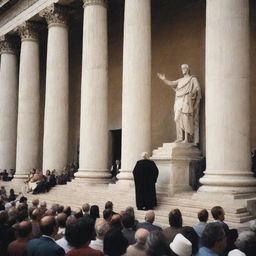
<point>55,141</point>
<point>94,94</point>
<point>136,101</point>
<point>27,154</point>
<point>8,104</point>
<point>227,98</point>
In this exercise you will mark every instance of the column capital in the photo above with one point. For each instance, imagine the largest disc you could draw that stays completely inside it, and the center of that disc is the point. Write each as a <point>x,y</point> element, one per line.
<point>55,15</point>
<point>95,2</point>
<point>7,45</point>
<point>28,31</point>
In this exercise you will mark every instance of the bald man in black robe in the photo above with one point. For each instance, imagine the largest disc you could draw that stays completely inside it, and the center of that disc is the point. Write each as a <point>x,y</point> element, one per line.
<point>145,175</point>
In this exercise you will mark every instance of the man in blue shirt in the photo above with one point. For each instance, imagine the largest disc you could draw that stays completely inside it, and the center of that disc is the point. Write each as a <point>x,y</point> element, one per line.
<point>203,218</point>
<point>213,239</point>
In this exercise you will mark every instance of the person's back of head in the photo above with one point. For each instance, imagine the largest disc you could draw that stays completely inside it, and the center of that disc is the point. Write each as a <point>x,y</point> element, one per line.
<point>94,212</point>
<point>109,205</point>
<point>217,213</point>
<point>78,213</point>
<point>190,234</point>
<point>214,238</point>
<point>107,214</point>
<point>23,199</point>
<point>141,236</point>
<point>130,210</point>
<point>60,208</point>
<point>150,216</point>
<point>22,215</point>
<point>86,208</point>
<point>48,226</point>
<point>115,244</point>
<point>175,218</point>
<point>116,222</point>
<point>128,220</point>
<point>35,215</point>
<point>67,210</point>
<point>80,232</point>
<point>203,215</point>
<point>246,242</point>
<point>61,220</point>
<point>156,244</point>
<point>101,228</point>
<point>35,202</point>
<point>24,229</point>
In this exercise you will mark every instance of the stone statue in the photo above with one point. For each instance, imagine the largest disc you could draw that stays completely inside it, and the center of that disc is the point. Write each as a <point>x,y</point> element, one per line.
<point>186,106</point>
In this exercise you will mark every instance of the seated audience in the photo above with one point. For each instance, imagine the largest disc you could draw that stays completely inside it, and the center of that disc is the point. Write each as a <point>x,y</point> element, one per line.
<point>101,228</point>
<point>79,235</point>
<point>45,245</point>
<point>23,235</point>
<point>203,218</point>
<point>138,248</point>
<point>213,240</point>
<point>128,231</point>
<point>116,222</point>
<point>175,221</point>
<point>149,220</point>
<point>181,246</point>
<point>156,244</point>
<point>12,196</point>
<point>245,243</point>
<point>115,244</point>
<point>6,233</point>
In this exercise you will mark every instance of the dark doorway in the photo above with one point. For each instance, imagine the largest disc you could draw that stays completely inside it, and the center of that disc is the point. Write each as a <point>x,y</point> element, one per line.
<point>116,144</point>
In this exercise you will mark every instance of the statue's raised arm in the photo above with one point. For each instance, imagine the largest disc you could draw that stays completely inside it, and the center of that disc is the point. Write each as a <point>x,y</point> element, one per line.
<point>162,77</point>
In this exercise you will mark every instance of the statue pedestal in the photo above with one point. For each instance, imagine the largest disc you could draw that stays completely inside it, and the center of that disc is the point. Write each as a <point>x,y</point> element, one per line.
<point>174,163</point>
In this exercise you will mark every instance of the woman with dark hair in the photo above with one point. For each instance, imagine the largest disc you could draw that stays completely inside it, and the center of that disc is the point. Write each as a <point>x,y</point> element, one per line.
<point>115,244</point>
<point>94,212</point>
<point>12,195</point>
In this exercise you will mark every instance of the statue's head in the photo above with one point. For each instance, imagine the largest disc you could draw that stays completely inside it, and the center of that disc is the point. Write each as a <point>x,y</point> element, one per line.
<point>185,69</point>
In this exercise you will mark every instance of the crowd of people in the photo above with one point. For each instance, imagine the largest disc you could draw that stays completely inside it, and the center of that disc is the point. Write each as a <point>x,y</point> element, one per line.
<point>6,175</point>
<point>27,230</point>
<point>37,182</point>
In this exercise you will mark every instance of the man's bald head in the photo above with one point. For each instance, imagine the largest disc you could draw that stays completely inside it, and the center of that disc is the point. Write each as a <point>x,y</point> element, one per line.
<point>48,226</point>
<point>141,235</point>
<point>24,229</point>
<point>150,216</point>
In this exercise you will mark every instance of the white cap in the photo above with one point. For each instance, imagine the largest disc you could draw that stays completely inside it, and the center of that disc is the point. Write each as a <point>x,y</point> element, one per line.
<point>181,245</point>
<point>236,252</point>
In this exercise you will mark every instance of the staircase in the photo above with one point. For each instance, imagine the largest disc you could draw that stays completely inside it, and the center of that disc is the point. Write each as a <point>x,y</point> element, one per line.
<point>77,193</point>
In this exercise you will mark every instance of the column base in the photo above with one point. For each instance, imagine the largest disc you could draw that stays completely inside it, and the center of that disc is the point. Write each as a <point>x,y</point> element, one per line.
<point>23,176</point>
<point>174,163</point>
<point>228,182</point>
<point>125,175</point>
<point>93,176</point>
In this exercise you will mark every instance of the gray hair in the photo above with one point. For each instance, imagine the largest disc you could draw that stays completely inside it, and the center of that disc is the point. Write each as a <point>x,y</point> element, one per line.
<point>150,216</point>
<point>141,235</point>
<point>144,154</point>
<point>245,240</point>
<point>253,226</point>
<point>101,228</point>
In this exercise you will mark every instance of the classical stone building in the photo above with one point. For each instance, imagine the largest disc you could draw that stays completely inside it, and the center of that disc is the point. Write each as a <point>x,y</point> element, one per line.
<point>75,75</point>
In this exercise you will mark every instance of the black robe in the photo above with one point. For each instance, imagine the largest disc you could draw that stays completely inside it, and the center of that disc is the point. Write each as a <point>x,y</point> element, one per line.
<point>145,175</point>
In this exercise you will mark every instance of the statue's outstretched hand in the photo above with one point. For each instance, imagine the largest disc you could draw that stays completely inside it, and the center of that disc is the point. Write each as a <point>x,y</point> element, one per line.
<point>161,76</point>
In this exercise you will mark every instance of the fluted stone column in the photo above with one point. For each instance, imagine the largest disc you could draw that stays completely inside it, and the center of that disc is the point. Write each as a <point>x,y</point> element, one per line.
<point>136,105</point>
<point>94,94</point>
<point>27,154</point>
<point>227,98</point>
<point>8,104</point>
<point>55,141</point>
